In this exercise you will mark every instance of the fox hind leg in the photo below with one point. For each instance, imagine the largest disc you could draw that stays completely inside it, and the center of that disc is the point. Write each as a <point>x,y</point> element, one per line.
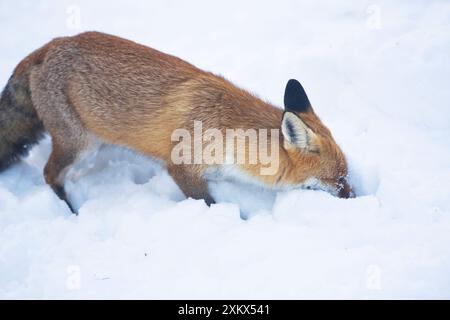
<point>63,156</point>
<point>69,136</point>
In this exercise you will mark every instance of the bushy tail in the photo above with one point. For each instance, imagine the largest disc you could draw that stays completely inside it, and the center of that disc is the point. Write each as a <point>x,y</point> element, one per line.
<point>20,127</point>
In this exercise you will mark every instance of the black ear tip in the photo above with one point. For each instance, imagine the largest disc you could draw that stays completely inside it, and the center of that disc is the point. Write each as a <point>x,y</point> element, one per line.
<point>293,83</point>
<point>295,98</point>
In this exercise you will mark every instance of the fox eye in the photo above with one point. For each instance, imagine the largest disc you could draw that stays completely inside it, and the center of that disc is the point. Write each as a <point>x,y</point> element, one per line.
<point>308,187</point>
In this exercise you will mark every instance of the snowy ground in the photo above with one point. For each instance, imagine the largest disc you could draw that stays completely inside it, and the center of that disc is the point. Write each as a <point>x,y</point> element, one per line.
<point>377,72</point>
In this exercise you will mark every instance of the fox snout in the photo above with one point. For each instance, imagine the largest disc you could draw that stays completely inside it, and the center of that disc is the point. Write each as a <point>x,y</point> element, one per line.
<point>345,191</point>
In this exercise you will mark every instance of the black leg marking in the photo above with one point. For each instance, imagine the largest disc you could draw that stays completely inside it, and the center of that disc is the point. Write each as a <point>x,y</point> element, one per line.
<point>61,193</point>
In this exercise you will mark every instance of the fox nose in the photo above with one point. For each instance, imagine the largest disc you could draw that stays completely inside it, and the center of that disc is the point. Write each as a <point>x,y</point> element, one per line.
<point>345,190</point>
<point>346,194</point>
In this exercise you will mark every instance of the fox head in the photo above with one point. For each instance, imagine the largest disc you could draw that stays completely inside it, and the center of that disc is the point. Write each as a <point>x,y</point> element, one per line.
<point>314,160</point>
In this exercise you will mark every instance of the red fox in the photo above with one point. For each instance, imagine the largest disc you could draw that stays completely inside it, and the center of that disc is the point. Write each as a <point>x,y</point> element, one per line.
<point>95,88</point>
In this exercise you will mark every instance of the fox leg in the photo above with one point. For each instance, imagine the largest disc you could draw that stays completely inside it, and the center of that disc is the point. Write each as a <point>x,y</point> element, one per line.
<point>69,145</point>
<point>191,183</point>
<point>55,170</point>
<point>56,111</point>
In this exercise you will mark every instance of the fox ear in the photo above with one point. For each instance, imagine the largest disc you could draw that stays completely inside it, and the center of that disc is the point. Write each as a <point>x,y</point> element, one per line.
<point>295,98</point>
<point>297,134</point>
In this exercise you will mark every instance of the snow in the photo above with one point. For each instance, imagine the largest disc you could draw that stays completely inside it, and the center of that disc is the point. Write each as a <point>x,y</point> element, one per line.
<point>377,73</point>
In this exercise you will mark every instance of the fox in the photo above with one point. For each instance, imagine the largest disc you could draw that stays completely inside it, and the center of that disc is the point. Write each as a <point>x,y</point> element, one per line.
<point>94,89</point>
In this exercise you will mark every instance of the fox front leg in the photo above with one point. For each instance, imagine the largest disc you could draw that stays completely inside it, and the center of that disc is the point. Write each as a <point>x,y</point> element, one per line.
<point>191,183</point>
